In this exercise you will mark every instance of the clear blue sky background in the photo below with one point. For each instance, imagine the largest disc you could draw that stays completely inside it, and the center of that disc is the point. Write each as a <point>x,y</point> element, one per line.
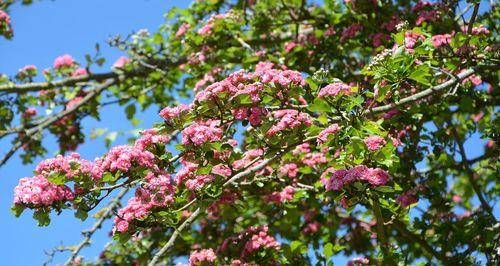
<point>44,31</point>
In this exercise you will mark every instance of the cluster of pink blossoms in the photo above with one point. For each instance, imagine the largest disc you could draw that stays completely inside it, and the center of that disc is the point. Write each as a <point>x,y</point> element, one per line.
<point>207,28</point>
<point>374,143</point>
<point>350,32</point>
<point>357,261</point>
<point>63,61</point>
<point>290,169</point>
<point>79,72</point>
<point>285,195</point>
<point>288,119</point>
<point>187,175</point>
<point>242,82</point>
<point>253,114</point>
<point>29,113</point>
<point>38,191</point>
<point>411,39</point>
<point>170,113</point>
<point>335,89</point>
<point>5,28</point>
<point>157,191</point>
<point>330,130</point>
<point>69,166</point>
<point>439,40</point>
<point>334,179</point>
<point>201,132</point>
<point>182,30</point>
<point>200,256</point>
<point>254,239</point>
<point>248,157</point>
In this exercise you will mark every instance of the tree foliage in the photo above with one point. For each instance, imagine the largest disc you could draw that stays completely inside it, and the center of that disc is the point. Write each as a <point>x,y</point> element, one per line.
<point>314,129</point>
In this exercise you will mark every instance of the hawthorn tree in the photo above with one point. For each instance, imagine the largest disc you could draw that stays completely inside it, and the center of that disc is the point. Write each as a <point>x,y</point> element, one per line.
<point>314,130</point>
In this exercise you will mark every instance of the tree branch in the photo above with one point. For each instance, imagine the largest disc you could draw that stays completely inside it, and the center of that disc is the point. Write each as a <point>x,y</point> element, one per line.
<point>88,234</point>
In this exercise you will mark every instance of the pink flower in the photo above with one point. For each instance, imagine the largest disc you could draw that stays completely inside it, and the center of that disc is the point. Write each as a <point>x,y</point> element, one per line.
<point>323,135</point>
<point>291,170</point>
<point>350,31</point>
<point>289,46</point>
<point>201,132</point>
<point>427,16</point>
<point>439,40</point>
<point>79,72</point>
<point>334,179</point>
<point>407,198</point>
<point>288,119</point>
<point>374,143</point>
<point>121,62</point>
<point>29,112</point>
<point>357,261</point>
<point>378,39</point>
<point>335,89</point>
<point>28,68</point>
<point>38,191</point>
<point>169,113</point>
<point>182,30</point>
<point>63,61</point>
<point>329,32</point>
<point>411,39</point>
<point>205,255</point>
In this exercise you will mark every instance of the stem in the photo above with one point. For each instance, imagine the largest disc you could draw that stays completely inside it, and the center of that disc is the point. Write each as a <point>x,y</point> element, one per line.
<point>382,238</point>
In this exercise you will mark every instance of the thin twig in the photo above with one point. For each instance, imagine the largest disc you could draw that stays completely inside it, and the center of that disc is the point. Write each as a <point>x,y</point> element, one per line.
<point>88,234</point>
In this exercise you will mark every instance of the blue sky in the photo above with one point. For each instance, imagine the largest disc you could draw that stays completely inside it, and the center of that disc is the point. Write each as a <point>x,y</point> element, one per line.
<point>44,31</point>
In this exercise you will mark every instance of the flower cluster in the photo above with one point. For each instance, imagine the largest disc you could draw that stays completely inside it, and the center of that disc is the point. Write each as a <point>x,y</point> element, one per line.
<point>335,89</point>
<point>170,113</point>
<point>285,195</point>
<point>288,119</point>
<point>38,191</point>
<point>200,256</point>
<point>121,62</point>
<point>330,130</point>
<point>253,114</point>
<point>63,61</point>
<point>201,132</point>
<point>374,143</point>
<point>439,40</point>
<point>157,191</point>
<point>253,239</point>
<point>334,179</point>
<point>69,166</point>
<point>5,28</point>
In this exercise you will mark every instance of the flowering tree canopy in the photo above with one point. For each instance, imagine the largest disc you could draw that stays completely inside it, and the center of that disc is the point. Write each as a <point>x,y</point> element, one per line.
<point>313,130</point>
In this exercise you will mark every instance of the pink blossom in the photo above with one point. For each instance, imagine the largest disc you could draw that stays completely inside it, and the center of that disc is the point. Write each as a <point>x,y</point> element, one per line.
<point>357,261</point>
<point>201,132</point>
<point>291,170</point>
<point>289,46</point>
<point>379,38</point>
<point>329,32</point>
<point>477,117</point>
<point>38,191</point>
<point>427,16</point>
<point>313,159</point>
<point>330,130</point>
<point>182,30</point>
<point>29,112</point>
<point>288,119</point>
<point>334,179</point>
<point>63,61</point>
<point>121,62</point>
<point>407,198</point>
<point>169,113</point>
<point>374,143</point>
<point>411,39</point>
<point>79,72</point>
<point>28,68</point>
<point>335,89</point>
<point>205,255</point>
<point>439,40</point>
<point>350,31</point>
<point>476,30</point>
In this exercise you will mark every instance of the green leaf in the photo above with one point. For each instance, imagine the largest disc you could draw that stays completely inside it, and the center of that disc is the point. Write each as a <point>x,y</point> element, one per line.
<point>421,75</point>
<point>319,105</point>
<point>384,189</point>
<point>328,250</point>
<point>295,245</point>
<point>42,217</point>
<point>130,111</point>
<point>56,178</point>
<point>17,209</point>
<point>81,214</point>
